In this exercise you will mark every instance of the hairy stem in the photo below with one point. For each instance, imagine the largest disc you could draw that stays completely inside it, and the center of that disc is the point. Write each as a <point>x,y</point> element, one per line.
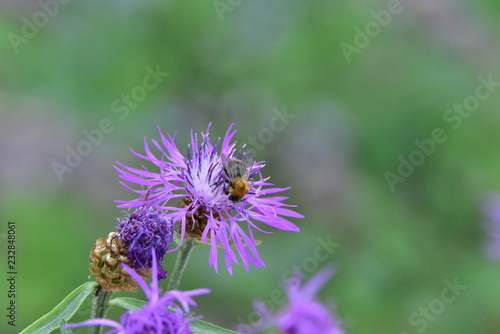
<point>99,308</point>
<point>180,263</point>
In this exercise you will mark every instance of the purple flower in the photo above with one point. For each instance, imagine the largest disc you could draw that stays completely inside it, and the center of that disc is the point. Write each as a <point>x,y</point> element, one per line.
<point>491,225</point>
<point>143,230</point>
<point>304,315</point>
<point>162,314</point>
<point>208,210</point>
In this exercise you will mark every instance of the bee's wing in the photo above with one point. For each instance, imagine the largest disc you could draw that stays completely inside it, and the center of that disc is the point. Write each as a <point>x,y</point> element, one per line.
<point>233,168</point>
<point>229,166</point>
<point>248,159</point>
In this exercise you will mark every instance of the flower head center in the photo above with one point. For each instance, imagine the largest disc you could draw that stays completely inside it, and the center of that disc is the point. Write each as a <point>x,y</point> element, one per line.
<point>197,221</point>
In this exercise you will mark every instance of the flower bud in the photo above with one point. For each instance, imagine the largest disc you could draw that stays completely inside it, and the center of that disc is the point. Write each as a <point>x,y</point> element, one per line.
<point>105,259</point>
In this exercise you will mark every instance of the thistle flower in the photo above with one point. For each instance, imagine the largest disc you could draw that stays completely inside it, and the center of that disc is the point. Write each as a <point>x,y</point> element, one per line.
<point>146,229</point>
<point>162,314</point>
<point>304,315</point>
<point>204,208</point>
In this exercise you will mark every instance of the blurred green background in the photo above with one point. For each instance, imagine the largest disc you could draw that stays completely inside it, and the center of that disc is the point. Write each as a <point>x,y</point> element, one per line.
<point>355,118</point>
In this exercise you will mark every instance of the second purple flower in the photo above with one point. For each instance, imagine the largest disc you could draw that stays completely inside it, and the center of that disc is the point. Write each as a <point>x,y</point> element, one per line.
<point>216,193</point>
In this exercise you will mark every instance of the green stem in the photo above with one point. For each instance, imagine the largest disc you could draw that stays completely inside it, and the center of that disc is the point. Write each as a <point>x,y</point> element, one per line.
<point>99,308</point>
<point>180,263</point>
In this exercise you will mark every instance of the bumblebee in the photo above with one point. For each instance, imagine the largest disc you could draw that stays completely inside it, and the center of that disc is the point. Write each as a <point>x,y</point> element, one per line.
<point>236,171</point>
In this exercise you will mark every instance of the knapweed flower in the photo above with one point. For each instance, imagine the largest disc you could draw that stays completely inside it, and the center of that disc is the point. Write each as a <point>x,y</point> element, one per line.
<point>145,229</point>
<point>162,313</point>
<point>304,315</point>
<point>210,202</point>
<point>491,225</point>
<point>141,232</point>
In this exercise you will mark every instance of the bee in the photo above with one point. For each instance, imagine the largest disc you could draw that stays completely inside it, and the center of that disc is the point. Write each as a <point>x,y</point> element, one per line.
<point>236,171</point>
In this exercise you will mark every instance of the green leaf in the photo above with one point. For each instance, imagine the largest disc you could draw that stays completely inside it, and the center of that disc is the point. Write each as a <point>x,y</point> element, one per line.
<point>64,310</point>
<point>203,327</point>
<point>127,303</point>
<point>64,330</point>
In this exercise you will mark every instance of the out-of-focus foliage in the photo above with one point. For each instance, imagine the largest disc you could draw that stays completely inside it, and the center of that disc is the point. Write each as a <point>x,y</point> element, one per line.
<point>352,120</point>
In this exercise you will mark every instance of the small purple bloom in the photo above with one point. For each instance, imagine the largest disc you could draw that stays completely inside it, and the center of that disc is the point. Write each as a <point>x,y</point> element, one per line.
<point>491,225</point>
<point>200,183</point>
<point>162,314</point>
<point>145,229</point>
<point>304,315</point>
